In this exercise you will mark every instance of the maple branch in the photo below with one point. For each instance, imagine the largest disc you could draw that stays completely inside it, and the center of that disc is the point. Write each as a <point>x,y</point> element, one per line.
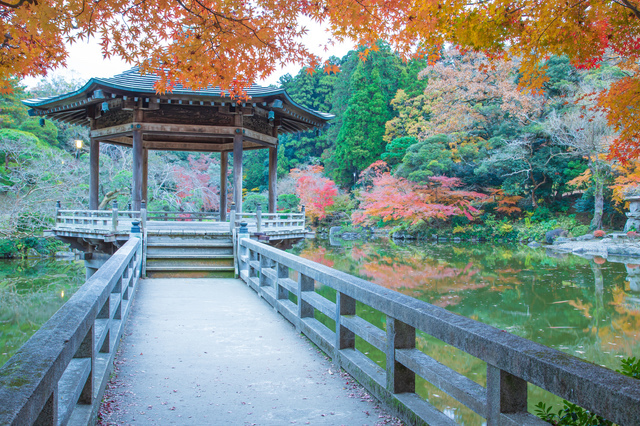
<point>556,18</point>
<point>16,5</point>
<point>628,5</point>
<point>217,16</point>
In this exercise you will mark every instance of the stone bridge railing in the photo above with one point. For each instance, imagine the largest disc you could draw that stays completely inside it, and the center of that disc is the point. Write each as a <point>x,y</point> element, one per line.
<point>115,221</point>
<point>512,361</point>
<point>59,375</point>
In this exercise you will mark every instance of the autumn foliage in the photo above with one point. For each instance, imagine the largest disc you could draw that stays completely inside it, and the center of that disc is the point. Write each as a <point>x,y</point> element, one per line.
<point>506,203</point>
<point>316,192</point>
<point>231,43</point>
<point>626,182</point>
<point>194,187</point>
<point>389,198</point>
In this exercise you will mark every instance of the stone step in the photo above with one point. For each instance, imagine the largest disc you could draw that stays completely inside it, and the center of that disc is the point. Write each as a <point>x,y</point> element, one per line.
<point>188,256</point>
<point>187,252</point>
<point>189,262</point>
<point>151,267</point>
<point>188,242</point>
<point>217,272</point>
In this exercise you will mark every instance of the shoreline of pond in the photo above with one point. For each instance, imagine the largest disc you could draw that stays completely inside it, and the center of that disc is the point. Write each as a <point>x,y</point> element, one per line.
<point>34,247</point>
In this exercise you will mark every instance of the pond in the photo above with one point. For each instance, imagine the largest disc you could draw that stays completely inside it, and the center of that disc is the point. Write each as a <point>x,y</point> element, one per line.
<point>588,308</point>
<point>31,291</point>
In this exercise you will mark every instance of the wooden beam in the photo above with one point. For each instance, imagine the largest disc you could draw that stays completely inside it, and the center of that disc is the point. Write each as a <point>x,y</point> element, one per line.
<point>224,164</point>
<point>94,172</point>
<point>183,130</point>
<point>237,171</point>
<point>145,172</point>
<point>119,130</point>
<point>136,185</point>
<point>273,176</point>
<point>62,115</point>
<point>198,147</point>
<point>258,142</point>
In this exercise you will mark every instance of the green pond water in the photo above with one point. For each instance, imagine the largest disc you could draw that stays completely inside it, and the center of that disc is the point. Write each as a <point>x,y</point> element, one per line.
<point>31,291</point>
<point>587,308</point>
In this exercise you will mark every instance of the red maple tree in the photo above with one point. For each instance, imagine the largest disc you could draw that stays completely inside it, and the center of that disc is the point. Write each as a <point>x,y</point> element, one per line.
<point>316,192</point>
<point>388,198</point>
<point>195,190</point>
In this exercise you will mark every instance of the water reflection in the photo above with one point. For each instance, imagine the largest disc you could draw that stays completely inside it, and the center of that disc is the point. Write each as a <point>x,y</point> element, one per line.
<point>31,291</point>
<point>589,308</point>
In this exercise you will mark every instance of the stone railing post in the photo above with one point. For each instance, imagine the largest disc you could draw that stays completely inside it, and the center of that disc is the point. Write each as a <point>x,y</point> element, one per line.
<point>232,218</point>
<point>136,232</point>
<point>243,232</point>
<point>506,393</point>
<point>400,379</point>
<point>265,263</point>
<point>282,272</point>
<point>259,217</point>
<point>114,217</point>
<point>305,283</point>
<point>58,208</point>
<point>345,338</point>
<point>143,215</point>
<point>86,350</point>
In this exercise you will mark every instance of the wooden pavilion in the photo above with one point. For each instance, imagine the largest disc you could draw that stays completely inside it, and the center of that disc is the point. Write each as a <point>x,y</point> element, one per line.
<point>126,110</point>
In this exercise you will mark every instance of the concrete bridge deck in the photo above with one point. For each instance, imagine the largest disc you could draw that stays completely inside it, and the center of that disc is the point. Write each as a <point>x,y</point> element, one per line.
<point>209,352</point>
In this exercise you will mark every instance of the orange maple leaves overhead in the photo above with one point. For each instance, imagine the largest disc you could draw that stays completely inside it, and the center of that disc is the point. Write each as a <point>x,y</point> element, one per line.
<point>232,43</point>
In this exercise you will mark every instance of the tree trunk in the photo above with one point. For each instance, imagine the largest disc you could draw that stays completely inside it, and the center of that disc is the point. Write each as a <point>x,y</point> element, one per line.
<point>112,195</point>
<point>596,222</point>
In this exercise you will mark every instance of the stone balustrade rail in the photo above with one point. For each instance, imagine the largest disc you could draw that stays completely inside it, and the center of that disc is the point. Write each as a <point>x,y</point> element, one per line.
<point>512,361</point>
<point>58,376</point>
<point>114,221</point>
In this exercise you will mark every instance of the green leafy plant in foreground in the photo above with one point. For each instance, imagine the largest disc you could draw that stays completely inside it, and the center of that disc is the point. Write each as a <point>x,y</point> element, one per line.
<point>572,414</point>
<point>630,367</point>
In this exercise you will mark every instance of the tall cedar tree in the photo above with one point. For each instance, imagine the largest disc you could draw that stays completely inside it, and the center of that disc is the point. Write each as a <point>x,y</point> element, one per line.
<point>361,103</point>
<point>360,141</point>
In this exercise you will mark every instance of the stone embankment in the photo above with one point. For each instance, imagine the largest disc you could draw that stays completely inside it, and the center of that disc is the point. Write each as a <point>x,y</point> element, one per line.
<point>612,246</point>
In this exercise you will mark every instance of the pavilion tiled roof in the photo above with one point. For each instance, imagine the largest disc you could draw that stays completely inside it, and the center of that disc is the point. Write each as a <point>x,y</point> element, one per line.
<point>133,82</point>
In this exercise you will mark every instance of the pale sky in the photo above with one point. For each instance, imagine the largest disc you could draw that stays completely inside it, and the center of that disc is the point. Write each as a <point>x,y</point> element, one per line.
<point>86,61</point>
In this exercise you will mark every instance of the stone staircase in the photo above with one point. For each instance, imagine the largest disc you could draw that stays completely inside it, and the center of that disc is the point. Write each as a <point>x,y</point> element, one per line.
<point>189,256</point>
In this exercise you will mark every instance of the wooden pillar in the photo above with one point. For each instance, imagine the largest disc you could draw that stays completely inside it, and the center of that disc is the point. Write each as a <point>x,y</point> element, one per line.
<point>237,171</point>
<point>145,173</point>
<point>136,187</point>
<point>94,173</point>
<point>273,177</point>
<point>224,165</point>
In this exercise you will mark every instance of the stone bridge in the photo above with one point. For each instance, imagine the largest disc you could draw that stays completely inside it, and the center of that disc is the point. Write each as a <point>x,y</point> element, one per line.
<point>228,351</point>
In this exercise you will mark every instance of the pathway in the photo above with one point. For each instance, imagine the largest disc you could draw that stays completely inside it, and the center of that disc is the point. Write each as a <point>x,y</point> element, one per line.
<point>211,352</point>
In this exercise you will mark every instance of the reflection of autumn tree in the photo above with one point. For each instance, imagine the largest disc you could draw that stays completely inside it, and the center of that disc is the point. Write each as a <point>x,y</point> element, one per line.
<point>622,334</point>
<point>318,255</point>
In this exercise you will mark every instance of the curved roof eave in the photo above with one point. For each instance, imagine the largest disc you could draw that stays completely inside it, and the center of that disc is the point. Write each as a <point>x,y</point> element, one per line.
<point>105,83</point>
<point>39,102</point>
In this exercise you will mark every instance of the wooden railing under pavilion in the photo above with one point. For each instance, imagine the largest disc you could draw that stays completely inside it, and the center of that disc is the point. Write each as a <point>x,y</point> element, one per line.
<point>109,223</point>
